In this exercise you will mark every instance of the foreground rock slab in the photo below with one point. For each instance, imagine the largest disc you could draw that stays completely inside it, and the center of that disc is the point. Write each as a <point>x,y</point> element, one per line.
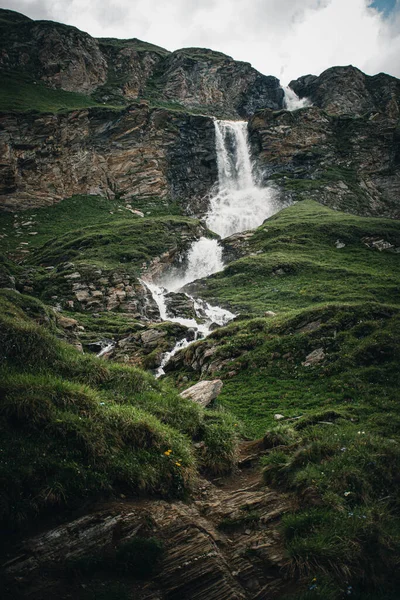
<point>213,550</point>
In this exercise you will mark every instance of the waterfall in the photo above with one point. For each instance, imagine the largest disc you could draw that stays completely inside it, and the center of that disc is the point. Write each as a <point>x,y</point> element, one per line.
<point>238,204</point>
<point>292,101</point>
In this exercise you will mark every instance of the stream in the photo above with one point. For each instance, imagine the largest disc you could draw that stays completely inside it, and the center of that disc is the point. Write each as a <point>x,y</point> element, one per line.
<point>238,204</point>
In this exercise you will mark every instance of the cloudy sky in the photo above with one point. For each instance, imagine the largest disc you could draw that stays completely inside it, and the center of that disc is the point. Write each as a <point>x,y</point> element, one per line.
<point>286,38</point>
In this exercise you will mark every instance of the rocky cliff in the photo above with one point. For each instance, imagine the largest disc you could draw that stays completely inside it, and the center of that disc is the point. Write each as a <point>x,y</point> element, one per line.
<point>137,152</point>
<point>143,137</point>
<point>347,90</point>
<point>120,71</point>
<point>350,162</point>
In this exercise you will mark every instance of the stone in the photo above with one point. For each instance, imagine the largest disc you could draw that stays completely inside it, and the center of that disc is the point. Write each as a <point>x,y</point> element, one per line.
<point>151,337</point>
<point>339,244</point>
<point>377,243</point>
<point>82,295</point>
<point>203,392</point>
<point>279,417</point>
<point>66,322</point>
<point>315,357</point>
<point>270,313</point>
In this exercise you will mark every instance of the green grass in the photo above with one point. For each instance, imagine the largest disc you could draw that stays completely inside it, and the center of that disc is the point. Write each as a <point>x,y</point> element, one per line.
<point>73,214</point>
<point>337,450</point>
<point>295,263</point>
<point>75,427</point>
<point>20,93</point>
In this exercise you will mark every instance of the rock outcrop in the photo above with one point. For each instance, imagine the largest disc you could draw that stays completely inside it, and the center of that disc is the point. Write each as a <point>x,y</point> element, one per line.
<point>347,90</point>
<point>224,546</point>
<point>119,71</point>
<point>201,78</point>
<point>347,162</point>
<point>59,55</point>
<point>136,152</point>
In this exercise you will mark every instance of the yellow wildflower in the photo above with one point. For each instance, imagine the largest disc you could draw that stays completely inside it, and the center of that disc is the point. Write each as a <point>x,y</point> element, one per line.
<point>178,464</point>
<point>167,452</point>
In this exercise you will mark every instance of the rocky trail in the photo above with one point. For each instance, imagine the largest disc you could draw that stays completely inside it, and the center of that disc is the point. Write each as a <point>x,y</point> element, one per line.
<point>222,545</point>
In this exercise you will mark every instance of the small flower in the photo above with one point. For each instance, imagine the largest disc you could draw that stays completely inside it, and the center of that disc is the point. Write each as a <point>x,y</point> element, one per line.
<point>178,464</point>
<point>347,494</point>
<point>350,514</point>
<point>343,449</point>
<point>236,425</point>
<point>167,452</point>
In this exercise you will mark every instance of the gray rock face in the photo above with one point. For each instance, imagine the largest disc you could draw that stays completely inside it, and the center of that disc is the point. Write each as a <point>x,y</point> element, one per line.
<point>123,70</point>
<point>197,77</point>
<point>315,357</point>
<point>350,163</point>
<point>61,56</point>
<point>204,392</point>
<point>179,305</point>
<point>139,152</point>
<point>201,561</point>
<point>347,90</point>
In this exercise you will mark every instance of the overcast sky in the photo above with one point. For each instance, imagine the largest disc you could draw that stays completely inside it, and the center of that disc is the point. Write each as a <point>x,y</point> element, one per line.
<point>285,38</point>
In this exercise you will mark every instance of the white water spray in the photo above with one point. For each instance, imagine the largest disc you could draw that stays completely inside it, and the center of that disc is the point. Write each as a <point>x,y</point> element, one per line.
<point>292,101</point>
<point>238,204</point>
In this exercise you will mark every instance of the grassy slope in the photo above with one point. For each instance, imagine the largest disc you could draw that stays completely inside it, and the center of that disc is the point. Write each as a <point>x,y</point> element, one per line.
<point>338,450</point>
<point>19,92</point>
<point>75,427</point>
<point>94,233</point>
<point>299,266</point>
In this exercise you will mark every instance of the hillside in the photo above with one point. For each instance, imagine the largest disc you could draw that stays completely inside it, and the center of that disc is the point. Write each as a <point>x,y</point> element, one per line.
<point>166,221</point>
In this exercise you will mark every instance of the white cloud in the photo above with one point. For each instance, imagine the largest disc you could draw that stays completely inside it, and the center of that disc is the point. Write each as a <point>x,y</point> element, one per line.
<point>286,38</point>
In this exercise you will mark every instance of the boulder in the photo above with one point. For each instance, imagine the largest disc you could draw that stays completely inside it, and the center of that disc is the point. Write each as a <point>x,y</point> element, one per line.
<point>204,392</point>
<point>315,357</point>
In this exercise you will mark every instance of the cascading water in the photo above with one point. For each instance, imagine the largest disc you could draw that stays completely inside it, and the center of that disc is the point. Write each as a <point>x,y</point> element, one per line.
<point>292,101</point>
<point>238,204</point>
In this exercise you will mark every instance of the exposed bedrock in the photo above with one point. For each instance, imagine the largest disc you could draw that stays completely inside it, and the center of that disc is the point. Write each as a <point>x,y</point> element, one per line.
<point>138,152</point>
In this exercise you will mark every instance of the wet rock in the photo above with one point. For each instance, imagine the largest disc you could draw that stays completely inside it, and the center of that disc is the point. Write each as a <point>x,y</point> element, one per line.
<point>180,305</point>
<point>151,337</point>
<point>204,392</point>
<point>98,346</point>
